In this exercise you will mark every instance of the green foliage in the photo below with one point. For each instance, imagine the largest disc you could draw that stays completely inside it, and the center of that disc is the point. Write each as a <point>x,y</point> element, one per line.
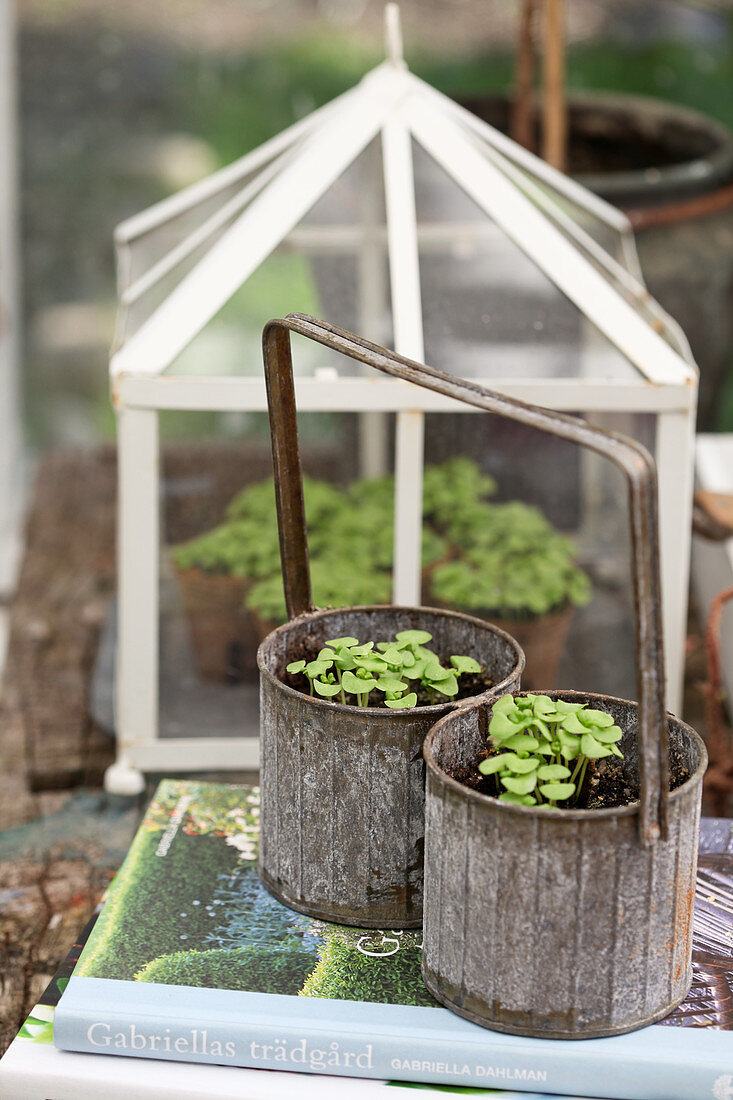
<point>334,583</point>
<point>345,668</point>
<point>138,924</point>
<point>350,547</point>
<point>505,559</point>
<point>229,100</point>
<point>345,972</point>
<point>38,1027</point>
<point>536,739</point>
<point>251,968</point>
<point>514,564</point>
<point>257,502</point>
<point>452,489</point>
<point>240,548</point>
<point>247,543</point>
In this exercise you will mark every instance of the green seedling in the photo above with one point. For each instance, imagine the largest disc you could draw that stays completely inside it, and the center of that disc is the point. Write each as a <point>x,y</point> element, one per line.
<point>355,672</point>
<point>541,747</point>
<point>509,562</point>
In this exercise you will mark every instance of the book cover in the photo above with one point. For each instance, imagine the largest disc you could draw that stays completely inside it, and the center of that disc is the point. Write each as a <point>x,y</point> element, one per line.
<point>193,960</point>
<point>32,1068</point>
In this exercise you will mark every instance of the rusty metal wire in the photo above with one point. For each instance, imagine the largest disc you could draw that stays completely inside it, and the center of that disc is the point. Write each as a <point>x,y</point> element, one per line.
<point>718,782</point>
<point>633,459</point>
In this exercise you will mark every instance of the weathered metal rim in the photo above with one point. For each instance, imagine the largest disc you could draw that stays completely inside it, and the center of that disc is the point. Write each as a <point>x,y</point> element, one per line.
<point>435,709</point>
<point>595,1033</point>
<point>655,185</point>
<point>695,176</point>
<point>630,809</point>
<point>332,915</point>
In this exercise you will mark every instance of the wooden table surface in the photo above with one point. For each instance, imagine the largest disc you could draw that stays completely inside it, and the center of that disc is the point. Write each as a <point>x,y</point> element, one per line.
<point>61,837</point>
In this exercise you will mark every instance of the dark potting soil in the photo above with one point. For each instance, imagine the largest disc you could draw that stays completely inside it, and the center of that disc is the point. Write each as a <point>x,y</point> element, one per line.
<point>605,786</point>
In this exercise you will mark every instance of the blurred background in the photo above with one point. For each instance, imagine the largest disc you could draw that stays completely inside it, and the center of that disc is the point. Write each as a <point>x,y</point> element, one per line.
<point>120,105</point>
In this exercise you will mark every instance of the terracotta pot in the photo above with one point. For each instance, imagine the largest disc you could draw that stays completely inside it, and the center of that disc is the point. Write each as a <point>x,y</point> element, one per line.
<point>542,640</point>
<point>224,633</point>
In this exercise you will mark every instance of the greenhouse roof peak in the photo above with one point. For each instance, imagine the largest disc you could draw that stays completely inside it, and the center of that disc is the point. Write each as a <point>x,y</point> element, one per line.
<point>393,36</point>
<point>210,238</point>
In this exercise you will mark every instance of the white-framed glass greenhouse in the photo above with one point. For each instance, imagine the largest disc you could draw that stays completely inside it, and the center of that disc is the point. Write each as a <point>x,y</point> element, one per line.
<point>395,213</point>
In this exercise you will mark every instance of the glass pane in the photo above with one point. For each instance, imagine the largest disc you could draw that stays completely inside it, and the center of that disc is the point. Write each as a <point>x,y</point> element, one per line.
<point>332,265</point>
<point>538,542</point>
<point>488,309</point>
<point>557,204</point>
<point>150,247</point>
<point>220,581</point>
<point>154,263</point>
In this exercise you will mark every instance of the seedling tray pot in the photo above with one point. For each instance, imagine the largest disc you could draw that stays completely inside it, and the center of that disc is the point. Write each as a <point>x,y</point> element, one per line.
<point>343,787</point>
<point>555,922</point>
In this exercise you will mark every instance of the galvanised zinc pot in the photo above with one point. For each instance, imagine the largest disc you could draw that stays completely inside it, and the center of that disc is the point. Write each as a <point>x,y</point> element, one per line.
<point>565,923</point>
<point>670,821</point>
<point>343,787</point>
<point>556,922</point>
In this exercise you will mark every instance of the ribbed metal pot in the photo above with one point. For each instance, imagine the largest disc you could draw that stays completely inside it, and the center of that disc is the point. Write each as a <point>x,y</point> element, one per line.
<point>554,922</point>
<point>343,787</point>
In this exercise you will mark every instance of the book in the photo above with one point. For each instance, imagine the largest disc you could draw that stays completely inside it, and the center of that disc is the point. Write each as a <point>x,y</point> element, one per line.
<point>191,959</point>
<point>34,1069</point>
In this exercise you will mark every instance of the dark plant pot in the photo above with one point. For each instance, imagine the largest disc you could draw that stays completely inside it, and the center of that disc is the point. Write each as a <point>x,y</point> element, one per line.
<point>343,787</point>
<point>550,922</point>
<point>224,633</point>
<point>671,169</point>
<point>633,150</point>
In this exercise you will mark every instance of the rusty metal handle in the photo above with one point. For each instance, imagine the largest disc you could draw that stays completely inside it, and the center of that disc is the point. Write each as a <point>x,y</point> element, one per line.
<point>635,461</point>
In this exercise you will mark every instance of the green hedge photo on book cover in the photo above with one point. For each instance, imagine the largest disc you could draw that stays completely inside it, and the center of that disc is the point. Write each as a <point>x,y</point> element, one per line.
<point>187,908</point>
<point>192,960</point>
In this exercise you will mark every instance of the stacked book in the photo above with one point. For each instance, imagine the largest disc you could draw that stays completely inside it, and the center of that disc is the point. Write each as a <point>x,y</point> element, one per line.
<point>192,981</point>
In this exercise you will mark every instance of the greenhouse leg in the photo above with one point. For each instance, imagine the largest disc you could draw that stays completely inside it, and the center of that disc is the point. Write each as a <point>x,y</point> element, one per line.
<point>408,340</point>
<point>408,507</point>
<point>675,457</point>
<point>373,426</point>
<point>122,779</point>
<point>138,542</point>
